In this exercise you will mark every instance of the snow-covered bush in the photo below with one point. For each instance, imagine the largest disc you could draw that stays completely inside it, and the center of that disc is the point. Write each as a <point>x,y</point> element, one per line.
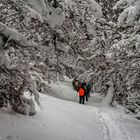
<point>57,17</point>
<point>130,13</point>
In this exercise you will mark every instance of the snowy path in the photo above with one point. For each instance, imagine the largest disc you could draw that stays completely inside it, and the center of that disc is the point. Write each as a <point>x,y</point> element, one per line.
<point>65,91</point>
<point>65,120</point>
<point>109,121</point>
<point>111,127</point>
<point>58,120</point>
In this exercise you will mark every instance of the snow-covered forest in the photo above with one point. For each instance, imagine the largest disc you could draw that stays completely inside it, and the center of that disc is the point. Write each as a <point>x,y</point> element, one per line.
<point>45,42</point>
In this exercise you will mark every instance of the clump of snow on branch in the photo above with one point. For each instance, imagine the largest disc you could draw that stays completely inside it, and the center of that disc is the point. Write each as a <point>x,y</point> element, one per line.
<point>57,17</point>
<point>38,5</point>
<point>130,13</point>
<point>12,34</point>
<point>34,14</point>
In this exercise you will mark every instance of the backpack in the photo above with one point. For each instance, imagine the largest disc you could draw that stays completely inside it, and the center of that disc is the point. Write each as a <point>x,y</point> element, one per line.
<point>83,86</point>
<point>81,92</point>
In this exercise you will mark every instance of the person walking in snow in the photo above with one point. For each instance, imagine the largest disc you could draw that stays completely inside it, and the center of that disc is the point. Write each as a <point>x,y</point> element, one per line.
<point>76,84</point>
<point>87,90</point>
<point>89,86</point>
<point>82,93</point>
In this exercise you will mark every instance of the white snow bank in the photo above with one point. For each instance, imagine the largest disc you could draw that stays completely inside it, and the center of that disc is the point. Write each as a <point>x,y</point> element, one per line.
<point>64,90</point>
<point>62,120</point>
<point>59,120</point>
<point>113,125</point>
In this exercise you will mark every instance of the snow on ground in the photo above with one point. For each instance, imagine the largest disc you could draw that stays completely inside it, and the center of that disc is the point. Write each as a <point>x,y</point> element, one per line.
<point>58,120</point>
<point>64,90</point>
<point>66,120</point>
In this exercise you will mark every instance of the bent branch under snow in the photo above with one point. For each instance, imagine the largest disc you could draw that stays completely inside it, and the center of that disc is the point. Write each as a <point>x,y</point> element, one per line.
<point>14,35</point>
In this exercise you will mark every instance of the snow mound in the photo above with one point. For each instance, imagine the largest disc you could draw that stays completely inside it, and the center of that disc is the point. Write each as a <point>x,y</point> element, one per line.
<point>57,17</point>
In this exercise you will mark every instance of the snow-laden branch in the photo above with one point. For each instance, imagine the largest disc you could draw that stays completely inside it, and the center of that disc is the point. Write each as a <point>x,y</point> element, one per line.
<point>14,35</point>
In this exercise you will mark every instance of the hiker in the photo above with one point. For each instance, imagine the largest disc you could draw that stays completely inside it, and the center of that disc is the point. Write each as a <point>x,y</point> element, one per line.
<point>73,82</point>
<point>86,90</point>
<point>76,84</point>
<point>82,92</point>
<point>89,86</point>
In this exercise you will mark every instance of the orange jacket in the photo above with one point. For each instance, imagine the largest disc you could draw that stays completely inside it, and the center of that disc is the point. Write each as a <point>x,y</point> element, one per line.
<point>81,92</point>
